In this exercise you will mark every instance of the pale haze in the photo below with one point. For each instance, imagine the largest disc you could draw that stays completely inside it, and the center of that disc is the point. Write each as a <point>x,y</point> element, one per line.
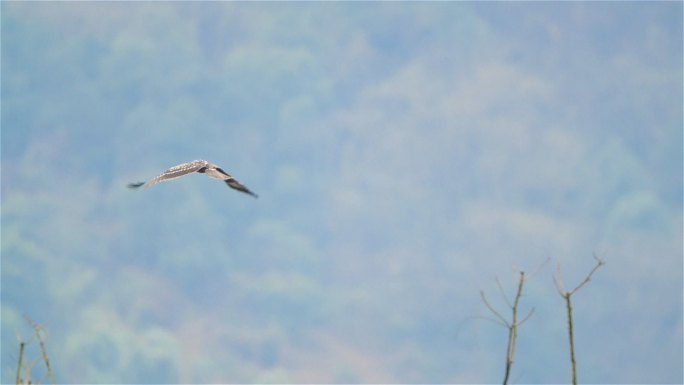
<point>406,156</point>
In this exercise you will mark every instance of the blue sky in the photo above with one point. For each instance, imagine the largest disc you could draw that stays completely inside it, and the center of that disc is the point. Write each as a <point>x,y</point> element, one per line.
<point>406,156</point>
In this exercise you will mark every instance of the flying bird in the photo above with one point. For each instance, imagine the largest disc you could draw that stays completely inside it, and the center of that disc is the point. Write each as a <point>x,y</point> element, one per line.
<point>201,166</point>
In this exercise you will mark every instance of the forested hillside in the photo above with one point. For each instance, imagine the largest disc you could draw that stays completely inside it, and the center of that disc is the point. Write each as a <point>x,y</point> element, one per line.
<point>405,156</point>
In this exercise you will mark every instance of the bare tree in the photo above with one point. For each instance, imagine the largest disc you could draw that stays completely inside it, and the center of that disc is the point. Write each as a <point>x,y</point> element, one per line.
<point>40,334</point>
<point>511,325</point>
<point>558,279</point>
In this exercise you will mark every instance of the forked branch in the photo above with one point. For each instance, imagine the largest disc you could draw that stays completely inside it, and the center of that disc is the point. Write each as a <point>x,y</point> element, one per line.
<point>511,325</point>
<point>40,334</point>
<point>558,279</point>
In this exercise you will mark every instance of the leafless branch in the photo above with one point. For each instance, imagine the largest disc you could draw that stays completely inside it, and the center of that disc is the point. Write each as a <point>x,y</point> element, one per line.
<point>491,308</point>
<point>40,334</point>
<point>558,279</point>
<point>512,326</point>
<point>514,323</point>
<point>526,317</point>
<point>541,265</point>
<point>503,293</point>
<point>599,263</point>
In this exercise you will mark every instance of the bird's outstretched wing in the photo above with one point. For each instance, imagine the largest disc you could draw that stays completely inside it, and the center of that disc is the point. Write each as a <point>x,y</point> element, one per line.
<point>173,173</point>
<point>219,173</point>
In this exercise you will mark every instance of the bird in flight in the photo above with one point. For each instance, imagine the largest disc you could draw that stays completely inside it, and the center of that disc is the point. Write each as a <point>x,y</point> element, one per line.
<point>201,166</point>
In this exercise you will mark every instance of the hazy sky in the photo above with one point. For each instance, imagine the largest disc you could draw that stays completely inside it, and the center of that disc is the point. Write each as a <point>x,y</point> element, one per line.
<point>406,156</point>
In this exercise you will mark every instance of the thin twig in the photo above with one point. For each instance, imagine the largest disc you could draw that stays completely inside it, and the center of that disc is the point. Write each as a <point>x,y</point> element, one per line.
<point>490,319</point>
<point>599,263</point>
<point>558,280</point>
<point>526,317</point>
<point>541,265</point>
<point>503,293</point>
<point>496,313</point>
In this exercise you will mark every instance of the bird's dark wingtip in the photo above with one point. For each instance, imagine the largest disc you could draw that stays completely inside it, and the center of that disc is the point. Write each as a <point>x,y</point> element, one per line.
<point>248,192</point>
<point>135,185</point>
<point>232,183</point>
